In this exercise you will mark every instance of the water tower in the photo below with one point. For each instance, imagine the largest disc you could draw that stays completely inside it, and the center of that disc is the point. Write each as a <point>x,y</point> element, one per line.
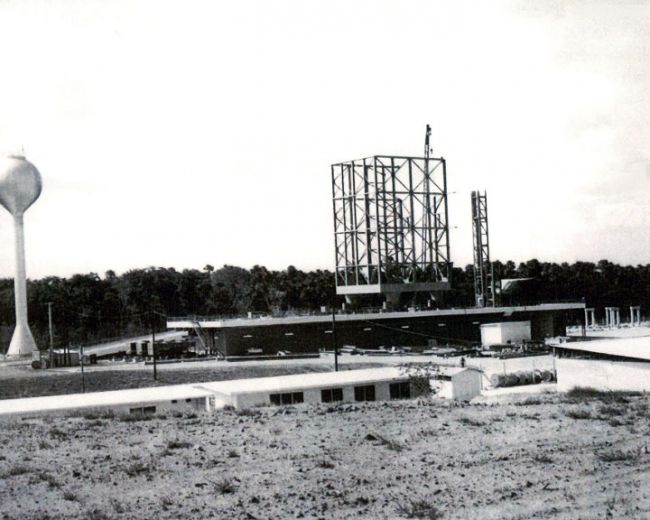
<point>20,186</point>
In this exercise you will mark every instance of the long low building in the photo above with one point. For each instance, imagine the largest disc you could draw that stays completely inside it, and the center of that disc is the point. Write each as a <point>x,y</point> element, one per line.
<point>373,384</point>
<point>621,364</point>
<point>299,334</point>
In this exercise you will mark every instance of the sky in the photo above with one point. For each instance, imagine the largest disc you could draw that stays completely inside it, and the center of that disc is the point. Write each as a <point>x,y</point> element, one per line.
<point>186,133</point>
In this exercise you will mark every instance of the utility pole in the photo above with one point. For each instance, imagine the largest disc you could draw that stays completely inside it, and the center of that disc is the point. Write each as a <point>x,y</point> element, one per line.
<point>336,349</point>
<point>153,345</point>
<point>49,317</point>
<point>81,362</point>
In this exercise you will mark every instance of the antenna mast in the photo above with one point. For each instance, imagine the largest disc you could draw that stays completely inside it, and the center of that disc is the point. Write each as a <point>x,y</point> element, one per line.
<point>427,148</point>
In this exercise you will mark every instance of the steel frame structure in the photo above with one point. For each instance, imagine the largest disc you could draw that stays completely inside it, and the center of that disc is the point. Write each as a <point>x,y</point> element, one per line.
<point>483,272</point>
<point>391,232</point>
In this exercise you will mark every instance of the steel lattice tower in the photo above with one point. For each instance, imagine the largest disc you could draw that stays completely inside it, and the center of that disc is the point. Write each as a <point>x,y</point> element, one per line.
<point>483,273</point>
<point>391,230</point>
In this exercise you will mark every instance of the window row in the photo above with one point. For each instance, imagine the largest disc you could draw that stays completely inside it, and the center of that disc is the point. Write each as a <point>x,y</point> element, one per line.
<point>400,390</point>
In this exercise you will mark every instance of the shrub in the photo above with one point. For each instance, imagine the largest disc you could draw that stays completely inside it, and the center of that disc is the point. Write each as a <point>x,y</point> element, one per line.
<point>51,480</point>
<point>44,445</point>
<point>137,468</point>
<point>70,496</point>
<point>529,401</point>
<point>578,413</point>
<point>586,394</point>
<point>232,453</point>
<point>471,422</point>
<point>58,434</point>
<point>616,455</point>
<point>17,470</point>
<point>418,508</point>
<point>135,417</point>
<point>117,506</point>
<point>176,444</point>
<point>166,502</point>
<point>543,458</point>
<point>224,486</point>
<point>383,441</point>
<point>612,410</point>
<point>325,464</point>
<point>248,412</point>
<point>96,514</point>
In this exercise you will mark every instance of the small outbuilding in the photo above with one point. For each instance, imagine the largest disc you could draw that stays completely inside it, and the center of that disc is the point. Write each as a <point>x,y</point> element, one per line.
<point>621,364</point>
<point>503,333</point>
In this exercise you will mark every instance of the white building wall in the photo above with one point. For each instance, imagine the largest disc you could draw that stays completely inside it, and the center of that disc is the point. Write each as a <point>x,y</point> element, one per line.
<point>466,385</point>
<point>504,332</point>
<point>602,375</point>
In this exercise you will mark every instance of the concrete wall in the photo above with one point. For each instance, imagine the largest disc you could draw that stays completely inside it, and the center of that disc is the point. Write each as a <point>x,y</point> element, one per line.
<point>466,385</point>
<point>603,375</point>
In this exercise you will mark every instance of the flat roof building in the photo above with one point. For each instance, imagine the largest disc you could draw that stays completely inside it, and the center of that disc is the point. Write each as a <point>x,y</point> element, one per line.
<point>301,334</point>
<point>621,364</point>
<point>373,384</point>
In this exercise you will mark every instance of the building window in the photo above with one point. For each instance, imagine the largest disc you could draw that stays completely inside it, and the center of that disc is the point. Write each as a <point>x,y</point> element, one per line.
<point>188,400</point>
<point>143,410</point>
<point>400,390</point>
<point>364,393</point>
<point>174,401</point>
<point>287,398</point>
<point>330,395</point>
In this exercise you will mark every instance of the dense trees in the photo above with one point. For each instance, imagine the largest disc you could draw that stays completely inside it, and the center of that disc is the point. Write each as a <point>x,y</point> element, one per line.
<point>87,307</point>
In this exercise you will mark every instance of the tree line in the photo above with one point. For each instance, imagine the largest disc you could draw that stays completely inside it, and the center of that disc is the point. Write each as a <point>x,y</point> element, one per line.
<point>89,307</point>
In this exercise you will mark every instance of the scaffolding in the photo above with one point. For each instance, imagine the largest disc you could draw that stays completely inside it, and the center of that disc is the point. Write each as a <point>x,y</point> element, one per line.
<point>483,272</point>
<point>391,232</point>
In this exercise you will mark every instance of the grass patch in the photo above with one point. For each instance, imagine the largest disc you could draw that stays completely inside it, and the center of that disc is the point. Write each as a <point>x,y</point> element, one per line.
<point>178,445</point>
<point>617,456</point>
<point>543,458</point>
<point>96,514</point>
<point>578,413</point>
<point>57,433</point>
<point>44,476</point>
<point>588,394</point>
<point>470,421</point>
<point>529,401</point>
<point>418,508</point>
<point>610,410</point>
<point>17,470</point>
<point>135,417</point>
<point>70,496</point>
<point>248,412</point>
<point>384,441</point>
<point>138,468</point>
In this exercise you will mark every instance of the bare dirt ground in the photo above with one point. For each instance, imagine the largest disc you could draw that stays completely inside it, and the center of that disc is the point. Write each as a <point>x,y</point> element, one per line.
<point>543,456</point>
